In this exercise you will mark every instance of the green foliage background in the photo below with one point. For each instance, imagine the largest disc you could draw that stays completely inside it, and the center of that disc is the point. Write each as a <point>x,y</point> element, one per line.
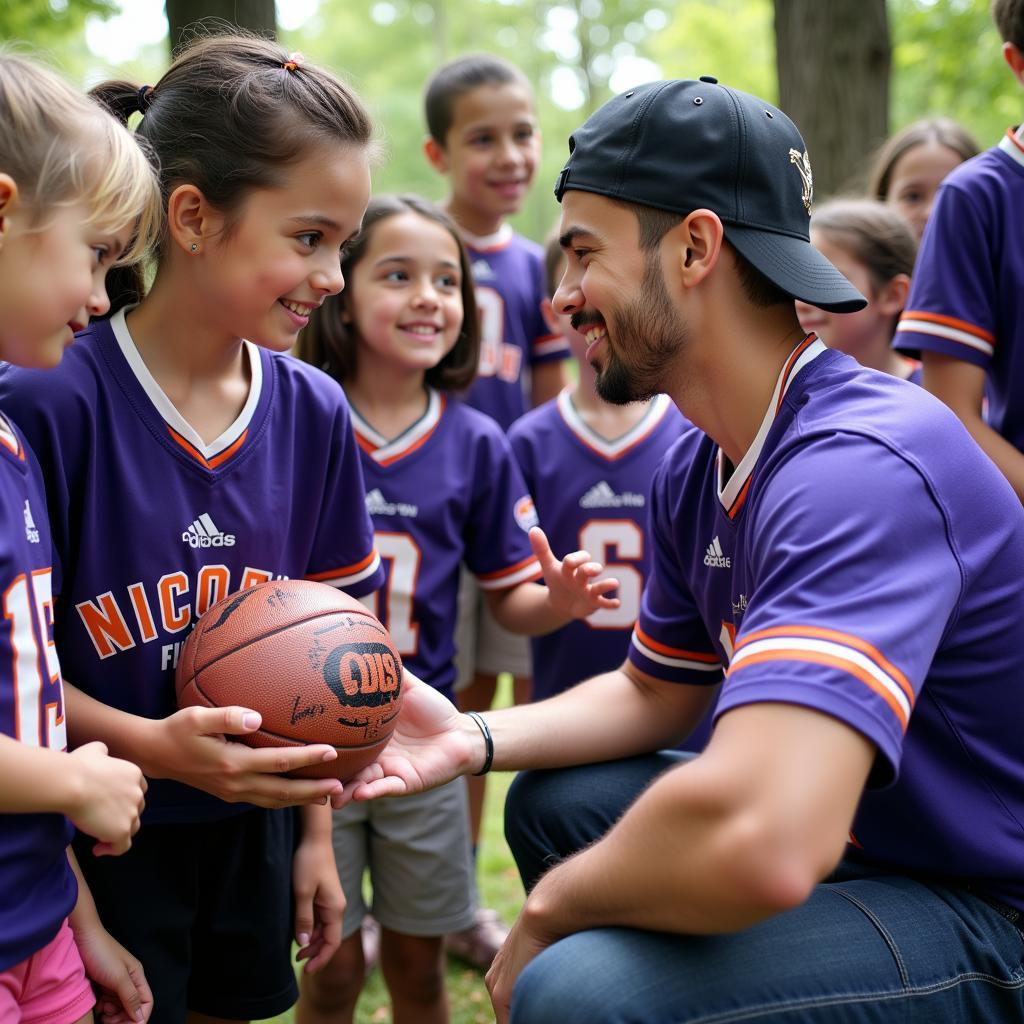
<point>946,60</point>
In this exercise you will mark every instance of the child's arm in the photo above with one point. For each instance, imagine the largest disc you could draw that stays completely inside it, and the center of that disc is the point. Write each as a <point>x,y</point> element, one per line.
<point>319,899</point>
<point>961,385</point>
<point>124,993</point>
<point>570,592</point>
<point>547,380</point>
<point>191,747</point>
<point>102,795</point>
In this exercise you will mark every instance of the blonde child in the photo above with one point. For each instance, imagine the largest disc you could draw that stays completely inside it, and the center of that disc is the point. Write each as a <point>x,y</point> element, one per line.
<point>443,491</point>
<point>76,197</point>
<point>873,247</point>
<point>186,457</point>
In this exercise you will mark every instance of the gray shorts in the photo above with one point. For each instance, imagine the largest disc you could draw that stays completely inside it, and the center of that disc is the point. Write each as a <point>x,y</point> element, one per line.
<point>417,852</point>
<point>481,644</point>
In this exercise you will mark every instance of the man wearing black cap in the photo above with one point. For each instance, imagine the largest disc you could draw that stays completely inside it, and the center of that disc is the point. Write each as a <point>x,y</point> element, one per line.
<point>833,549</point>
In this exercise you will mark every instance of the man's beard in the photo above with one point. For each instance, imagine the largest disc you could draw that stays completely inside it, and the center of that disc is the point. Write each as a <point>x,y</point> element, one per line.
<point>648,328</point>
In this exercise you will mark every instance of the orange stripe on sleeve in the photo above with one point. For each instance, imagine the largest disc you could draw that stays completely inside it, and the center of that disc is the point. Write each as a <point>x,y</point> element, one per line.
<point>949,321</point>
<point>509,570</point>
<point>848,640</point>
<point>675,652</point>
<point>820,658</point>
<point>346,570</point>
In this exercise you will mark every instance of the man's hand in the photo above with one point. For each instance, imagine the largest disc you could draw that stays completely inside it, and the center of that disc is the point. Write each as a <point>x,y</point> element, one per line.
<point>432,744</point>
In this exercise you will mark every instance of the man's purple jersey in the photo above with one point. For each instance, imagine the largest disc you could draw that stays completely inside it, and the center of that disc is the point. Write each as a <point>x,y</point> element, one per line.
<point>591,494</point>
<point>866,560</point>
<point>37,887</point>
<point>444,493</point>
<point>508,271</point>
<point>967,296</point>
<point>151,525</point>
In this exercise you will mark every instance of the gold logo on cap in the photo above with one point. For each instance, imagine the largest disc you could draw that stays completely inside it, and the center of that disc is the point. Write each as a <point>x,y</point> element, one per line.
<point>803,165</point>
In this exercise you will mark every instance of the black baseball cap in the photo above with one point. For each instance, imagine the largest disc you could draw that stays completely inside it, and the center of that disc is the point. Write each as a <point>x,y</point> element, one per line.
<point>687,145</point>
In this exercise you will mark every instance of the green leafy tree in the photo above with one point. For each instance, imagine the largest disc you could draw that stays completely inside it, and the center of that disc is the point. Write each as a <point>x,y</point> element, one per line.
<point>50,24</point>
<point>571,50</point>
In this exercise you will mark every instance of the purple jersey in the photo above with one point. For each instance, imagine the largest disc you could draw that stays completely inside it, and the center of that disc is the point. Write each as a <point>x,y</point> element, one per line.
<point>37,887</point>
<point>865,559</point>
<point>591,494</point>
<point>446,492</point>
<point>151,525</point>
<point>508,271</point>
<point>967,296</point>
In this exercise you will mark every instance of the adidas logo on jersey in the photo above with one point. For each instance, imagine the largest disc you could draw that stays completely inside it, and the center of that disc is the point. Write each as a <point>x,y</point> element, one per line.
<point>31,531</point>
<point>714,557</point>
<point>601,495</point>
<point>482,271</point>
<point>376,505</point>
<point>204,534</point>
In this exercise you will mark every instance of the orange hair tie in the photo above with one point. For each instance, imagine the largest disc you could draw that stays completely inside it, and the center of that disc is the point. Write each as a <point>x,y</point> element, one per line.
<point>293,62</point>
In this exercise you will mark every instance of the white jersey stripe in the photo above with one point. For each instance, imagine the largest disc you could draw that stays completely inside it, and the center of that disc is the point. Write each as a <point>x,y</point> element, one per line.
<point>527,572</point>
<point>834,650</point>
<point>946,331</point>
<point>355,577</point>
<point>664,659</point>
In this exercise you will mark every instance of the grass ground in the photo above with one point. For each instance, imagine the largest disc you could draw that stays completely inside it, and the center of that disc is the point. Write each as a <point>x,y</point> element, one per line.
<point>499,888</point>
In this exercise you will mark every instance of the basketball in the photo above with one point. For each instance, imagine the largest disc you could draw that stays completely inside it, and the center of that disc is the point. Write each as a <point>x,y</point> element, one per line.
<point>314,662</point>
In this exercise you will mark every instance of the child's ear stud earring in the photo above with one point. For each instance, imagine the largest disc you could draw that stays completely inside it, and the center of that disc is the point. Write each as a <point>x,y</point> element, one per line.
<point>194,247</point>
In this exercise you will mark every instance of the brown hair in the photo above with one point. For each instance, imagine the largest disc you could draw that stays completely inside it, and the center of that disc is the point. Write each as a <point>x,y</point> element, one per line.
<point>231,114</point>
<point>61,148</point>
<point>874,234</point>
<point>331,344</point>
<point>1009,18</point>
<point>943,130</point>
<point>553,259</point>
<point>458,77</point>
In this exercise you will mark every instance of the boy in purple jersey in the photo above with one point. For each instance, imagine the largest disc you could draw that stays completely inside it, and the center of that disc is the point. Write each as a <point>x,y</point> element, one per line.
<point>186,456</point>
<point>849,846</point>
<point>483,136</point>
<point>444,491</point>
<point>74,190</point>
<point>965,313</point>
<point>588,465</point>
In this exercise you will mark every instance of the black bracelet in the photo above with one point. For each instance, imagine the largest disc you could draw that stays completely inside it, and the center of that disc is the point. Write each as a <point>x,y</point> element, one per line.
<point>488,742</point>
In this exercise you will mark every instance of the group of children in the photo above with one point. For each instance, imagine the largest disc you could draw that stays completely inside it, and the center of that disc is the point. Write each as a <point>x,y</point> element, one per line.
<point>193,415</point>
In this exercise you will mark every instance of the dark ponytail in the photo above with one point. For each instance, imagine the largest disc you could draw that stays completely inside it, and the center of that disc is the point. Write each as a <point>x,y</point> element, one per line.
<point>230,115</point>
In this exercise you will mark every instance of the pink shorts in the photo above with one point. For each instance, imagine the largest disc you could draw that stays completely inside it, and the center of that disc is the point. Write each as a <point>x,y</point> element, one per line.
<point>50,987</point>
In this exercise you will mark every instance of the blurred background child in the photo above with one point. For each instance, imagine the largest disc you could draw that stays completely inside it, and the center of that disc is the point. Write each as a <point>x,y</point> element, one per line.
<point>911,164</point>
<point>872,246</point>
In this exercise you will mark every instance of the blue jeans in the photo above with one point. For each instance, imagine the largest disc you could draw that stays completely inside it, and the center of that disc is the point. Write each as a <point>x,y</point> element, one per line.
<point>867,946</point>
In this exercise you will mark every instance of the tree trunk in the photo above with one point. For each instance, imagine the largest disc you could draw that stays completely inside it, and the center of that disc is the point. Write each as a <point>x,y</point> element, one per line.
<point>833,63</point>
<point>255,15</point>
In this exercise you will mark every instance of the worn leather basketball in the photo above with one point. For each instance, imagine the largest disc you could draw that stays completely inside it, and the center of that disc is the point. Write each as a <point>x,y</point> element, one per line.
<point>314,662</point>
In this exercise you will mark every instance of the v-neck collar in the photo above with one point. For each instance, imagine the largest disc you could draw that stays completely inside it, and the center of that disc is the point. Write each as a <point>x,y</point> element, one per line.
<point>182,432</point>
<point>733,492</point>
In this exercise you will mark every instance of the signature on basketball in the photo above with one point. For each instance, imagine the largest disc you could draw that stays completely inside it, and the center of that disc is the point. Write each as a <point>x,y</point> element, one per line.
<point>309,711</point>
